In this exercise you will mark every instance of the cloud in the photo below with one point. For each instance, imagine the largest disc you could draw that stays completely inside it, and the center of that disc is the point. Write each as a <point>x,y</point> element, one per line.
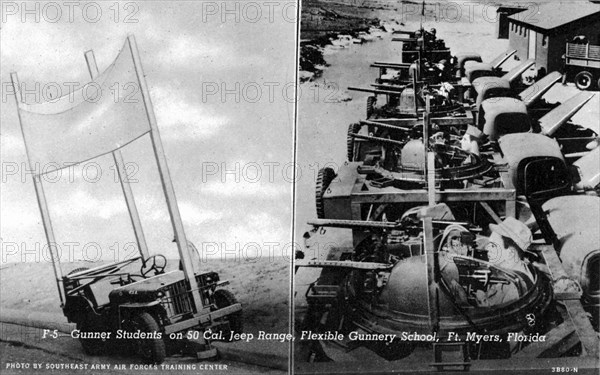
<point>193,214</point>
<point>11,144</point>
<point>246,189</point>
<point>58,46</point>
<point>259,228</point>
<point>182,119</point>
<point>82,203</point>
<point>184,50</point>
<point>18,214</point>
<point>190,212</point>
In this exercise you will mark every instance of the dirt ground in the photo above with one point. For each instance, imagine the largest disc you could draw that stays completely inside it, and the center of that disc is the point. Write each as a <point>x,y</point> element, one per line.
<point>261,287</point>
<point>24,352</point>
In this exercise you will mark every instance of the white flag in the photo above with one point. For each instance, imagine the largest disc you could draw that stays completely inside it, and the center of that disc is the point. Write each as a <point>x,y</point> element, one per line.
<point>98,118</point>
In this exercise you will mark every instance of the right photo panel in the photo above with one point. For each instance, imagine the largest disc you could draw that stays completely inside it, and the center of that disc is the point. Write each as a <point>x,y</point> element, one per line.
<point>448,213</point>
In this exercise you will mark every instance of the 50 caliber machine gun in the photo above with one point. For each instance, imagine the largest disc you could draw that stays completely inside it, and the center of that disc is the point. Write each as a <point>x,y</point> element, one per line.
<point>374,254</point>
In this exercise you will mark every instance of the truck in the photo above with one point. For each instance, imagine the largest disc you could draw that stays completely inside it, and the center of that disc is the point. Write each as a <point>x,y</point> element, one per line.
<point>582,65</point>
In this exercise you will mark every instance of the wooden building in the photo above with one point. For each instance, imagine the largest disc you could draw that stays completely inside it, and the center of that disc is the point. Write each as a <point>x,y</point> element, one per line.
<point>541,31</point>
<point>502,14</point>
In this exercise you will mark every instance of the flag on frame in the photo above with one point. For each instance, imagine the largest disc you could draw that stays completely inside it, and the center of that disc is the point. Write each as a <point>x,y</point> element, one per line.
<point>102,116</point>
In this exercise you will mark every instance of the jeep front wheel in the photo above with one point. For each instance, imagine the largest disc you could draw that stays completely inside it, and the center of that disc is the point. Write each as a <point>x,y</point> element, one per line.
<point>224,298</point>
<point>89,325</point>
<point>151,350</point>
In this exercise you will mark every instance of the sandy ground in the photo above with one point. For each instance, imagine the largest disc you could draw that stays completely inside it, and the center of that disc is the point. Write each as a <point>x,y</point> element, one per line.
<point>324,118</point>
<point>22,348</point>
<point>261,288</point>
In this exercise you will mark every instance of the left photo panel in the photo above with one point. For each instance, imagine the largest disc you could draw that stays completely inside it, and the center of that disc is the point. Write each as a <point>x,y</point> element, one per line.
<point>147,159</point>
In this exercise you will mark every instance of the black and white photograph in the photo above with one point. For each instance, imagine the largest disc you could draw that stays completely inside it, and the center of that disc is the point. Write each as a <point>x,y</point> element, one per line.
<point>454,222</point>
<point>299,187</point>
<point>146,195</point>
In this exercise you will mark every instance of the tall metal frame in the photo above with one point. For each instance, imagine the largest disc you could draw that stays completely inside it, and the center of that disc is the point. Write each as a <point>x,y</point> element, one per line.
<point>164,174</point>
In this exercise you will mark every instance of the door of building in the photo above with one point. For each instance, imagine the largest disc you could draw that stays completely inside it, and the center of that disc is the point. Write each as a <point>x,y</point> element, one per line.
<point>532,44</point>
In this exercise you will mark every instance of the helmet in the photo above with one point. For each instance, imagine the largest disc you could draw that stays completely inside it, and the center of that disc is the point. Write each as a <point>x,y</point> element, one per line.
<point>412,156</point>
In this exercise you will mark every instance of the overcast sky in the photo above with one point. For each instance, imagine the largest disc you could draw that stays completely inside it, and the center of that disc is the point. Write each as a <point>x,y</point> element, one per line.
<point>191,53</point>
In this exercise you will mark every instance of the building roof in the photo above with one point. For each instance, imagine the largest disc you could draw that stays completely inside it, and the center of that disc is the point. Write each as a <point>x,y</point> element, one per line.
<point>517,7</point>
<point>551,15</point>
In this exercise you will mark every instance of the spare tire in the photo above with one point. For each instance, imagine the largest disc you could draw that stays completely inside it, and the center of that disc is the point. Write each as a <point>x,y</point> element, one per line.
<point>370,105</point>
<point>324,178</point>
<point>352,129</point>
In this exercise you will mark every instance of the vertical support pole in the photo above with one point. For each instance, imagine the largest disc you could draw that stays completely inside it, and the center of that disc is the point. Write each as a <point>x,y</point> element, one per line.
<point>166,182</point>
<point>356,214</point>
<point>564,64</point>
<point>415,93</point>
<point>41,198</point>
<point>429,167</point>
<point>131,206</point>
<point>430,249</point>
<point>432,272</point>
<point>430,178</point>
<point>426,122</point>
<point>90,59</point>
<point>511,206</point>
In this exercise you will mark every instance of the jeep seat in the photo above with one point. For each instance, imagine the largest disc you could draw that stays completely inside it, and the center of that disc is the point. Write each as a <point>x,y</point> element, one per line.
<point>476,70</point>
<point>462,59</point>
<point>490,87</point>
<point>503,115</point>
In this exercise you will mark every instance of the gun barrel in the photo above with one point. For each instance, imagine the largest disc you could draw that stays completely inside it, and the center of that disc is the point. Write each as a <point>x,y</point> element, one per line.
<point>387,126</point>
<point>378,64</point>
<point>374,91</point>
<point>449,222</point>
<point>404,39</point>
<point>345,264</point>
<point>397,88</point>
<point>335,223</point>
<point>378,139</point>
<point>406,32</point>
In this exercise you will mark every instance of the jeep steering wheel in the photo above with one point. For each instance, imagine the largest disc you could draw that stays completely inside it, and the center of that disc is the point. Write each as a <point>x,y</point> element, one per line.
<point>158,263</point>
